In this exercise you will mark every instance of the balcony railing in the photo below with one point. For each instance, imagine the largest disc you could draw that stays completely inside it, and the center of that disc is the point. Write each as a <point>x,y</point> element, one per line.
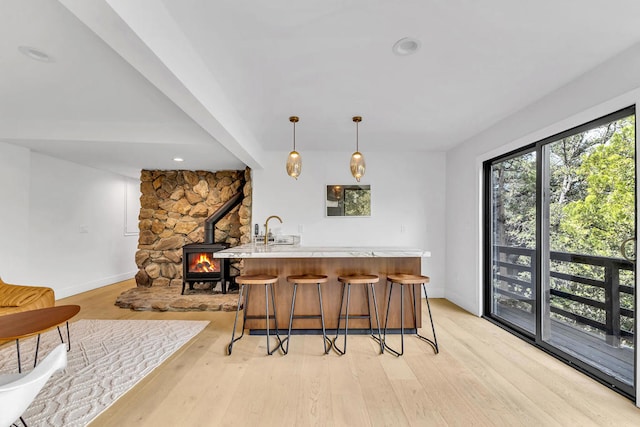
<point>515,266</point>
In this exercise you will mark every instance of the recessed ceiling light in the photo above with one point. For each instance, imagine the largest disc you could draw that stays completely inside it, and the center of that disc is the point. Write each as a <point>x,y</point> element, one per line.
<point>35,54</point>
<point>178,159</point>
<point>406,46</point>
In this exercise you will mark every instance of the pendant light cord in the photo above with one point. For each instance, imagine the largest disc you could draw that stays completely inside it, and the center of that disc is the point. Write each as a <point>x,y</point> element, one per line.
<point>294,136</point>
<point>357,120</point>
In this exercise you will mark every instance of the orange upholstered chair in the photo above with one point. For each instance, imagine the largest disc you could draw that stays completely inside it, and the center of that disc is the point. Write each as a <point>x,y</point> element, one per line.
<point>16,298</point>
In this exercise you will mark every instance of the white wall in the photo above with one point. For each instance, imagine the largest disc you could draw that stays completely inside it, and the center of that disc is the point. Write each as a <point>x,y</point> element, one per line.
<point>408,192</point>
<point>14,209</point>
<point>68,221</point>
<point>605,89</point>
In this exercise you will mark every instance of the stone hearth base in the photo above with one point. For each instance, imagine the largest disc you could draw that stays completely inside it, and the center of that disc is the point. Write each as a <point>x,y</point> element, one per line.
<point>169,298</point>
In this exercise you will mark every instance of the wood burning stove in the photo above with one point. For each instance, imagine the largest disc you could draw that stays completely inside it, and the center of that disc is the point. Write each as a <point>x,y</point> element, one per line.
<point>199,265</point>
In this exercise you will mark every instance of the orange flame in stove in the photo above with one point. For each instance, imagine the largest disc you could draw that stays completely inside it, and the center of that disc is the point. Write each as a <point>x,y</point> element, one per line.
<point>203,264</point>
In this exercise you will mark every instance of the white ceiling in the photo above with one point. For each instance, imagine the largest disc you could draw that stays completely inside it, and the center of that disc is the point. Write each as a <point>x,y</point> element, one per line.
<point>135,83</point>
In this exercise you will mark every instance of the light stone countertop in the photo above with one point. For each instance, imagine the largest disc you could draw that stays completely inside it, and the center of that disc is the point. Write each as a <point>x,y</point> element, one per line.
<point>253,250</point>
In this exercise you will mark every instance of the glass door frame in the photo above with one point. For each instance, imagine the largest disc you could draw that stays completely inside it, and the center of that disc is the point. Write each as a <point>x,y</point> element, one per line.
<point>542,252</point>
<point>488,243</point>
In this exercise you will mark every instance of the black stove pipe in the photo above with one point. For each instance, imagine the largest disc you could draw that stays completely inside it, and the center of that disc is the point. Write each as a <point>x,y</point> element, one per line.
<point>210,223</point>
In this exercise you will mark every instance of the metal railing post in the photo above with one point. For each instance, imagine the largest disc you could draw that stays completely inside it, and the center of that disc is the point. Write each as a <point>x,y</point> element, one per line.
<point>612,302</point>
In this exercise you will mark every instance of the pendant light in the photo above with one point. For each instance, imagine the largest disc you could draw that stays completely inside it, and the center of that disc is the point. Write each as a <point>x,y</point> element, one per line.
<point>357,159</point>
<point>294,161</point>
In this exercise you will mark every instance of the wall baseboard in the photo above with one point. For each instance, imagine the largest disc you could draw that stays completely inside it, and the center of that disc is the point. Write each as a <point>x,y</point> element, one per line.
<point>434,292</point>
<point>88,286</point>
<point>461,302</point>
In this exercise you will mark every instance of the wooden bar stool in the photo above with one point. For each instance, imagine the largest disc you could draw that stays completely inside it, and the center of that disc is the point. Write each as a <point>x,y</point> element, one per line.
<point>408,280</point>
<point>357,279</point>
<point>247,282</point>
<point>307,279</point>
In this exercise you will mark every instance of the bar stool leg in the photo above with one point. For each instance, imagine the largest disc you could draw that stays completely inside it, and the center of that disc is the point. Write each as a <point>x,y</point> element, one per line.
<point>402,320</point>
<point>240,293</point>
<point>275,319</point>
<point>345,287</point>
<point>366,287</point>
<point>339,318</point>
<point>293,307</point>
<point>434,342</point>
<point>346,319</point>
<point>386,318</point>
<point>395,352</point>
<point>324,332</point>
<point>266,305</point>
<point>375,309</point>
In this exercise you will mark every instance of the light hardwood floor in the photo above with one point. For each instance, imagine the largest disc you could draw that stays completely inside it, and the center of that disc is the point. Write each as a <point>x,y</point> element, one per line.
<point>483,376</point>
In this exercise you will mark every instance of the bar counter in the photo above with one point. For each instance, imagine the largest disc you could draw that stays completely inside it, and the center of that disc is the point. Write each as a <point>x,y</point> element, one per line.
<point>286,260</point>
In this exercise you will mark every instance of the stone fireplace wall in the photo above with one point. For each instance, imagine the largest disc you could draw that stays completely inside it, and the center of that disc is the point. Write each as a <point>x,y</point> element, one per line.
<point>173,208</point>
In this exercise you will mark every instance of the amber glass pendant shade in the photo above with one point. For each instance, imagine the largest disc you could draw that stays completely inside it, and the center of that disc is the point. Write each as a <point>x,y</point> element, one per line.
<point>294,164</point>
<point>294,161</point>
<point>357,163</point>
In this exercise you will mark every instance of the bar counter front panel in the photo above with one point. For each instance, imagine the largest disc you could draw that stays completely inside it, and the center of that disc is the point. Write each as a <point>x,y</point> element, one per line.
<point>332,262</point>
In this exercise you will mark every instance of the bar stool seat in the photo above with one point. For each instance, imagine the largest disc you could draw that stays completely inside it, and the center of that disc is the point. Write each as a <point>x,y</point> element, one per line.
<point>307,279</point>
<point>358,279</point>
<point>403,280</point>
<point>246,282</point>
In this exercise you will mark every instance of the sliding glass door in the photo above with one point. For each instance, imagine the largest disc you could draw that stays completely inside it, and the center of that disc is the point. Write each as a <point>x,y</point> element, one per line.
<point>513,237</point>
<point>560,245</point>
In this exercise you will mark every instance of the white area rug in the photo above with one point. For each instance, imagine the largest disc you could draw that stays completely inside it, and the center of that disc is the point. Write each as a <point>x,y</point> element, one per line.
<point>107,358</point>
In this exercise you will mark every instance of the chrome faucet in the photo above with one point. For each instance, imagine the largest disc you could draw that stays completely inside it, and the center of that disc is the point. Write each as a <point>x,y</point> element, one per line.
<point>266,227</point>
